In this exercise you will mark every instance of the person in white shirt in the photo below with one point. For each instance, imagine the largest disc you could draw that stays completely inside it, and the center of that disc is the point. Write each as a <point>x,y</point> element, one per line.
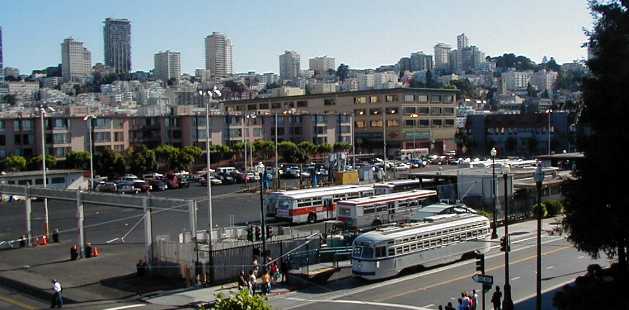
<point>57,299</point>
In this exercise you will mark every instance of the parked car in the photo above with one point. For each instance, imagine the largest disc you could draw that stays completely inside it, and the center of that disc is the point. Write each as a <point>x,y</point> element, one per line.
<point>172,181</point>
<point>213,179</point>
<point>402,167</point>
<point>158,185</point>
<point>106,187</point>
<point>292,172</point>
<point>142,186</point>
<point>127,188</point>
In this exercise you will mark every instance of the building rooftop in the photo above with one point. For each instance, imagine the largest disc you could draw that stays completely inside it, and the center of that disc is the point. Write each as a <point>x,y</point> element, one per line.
<point>6,175</point>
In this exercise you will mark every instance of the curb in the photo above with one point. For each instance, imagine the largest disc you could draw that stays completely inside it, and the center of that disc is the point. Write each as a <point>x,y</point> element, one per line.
<point>31,290</point>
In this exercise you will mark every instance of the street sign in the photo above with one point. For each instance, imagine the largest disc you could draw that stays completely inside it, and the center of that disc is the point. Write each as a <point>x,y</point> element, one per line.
<point>484,279</point>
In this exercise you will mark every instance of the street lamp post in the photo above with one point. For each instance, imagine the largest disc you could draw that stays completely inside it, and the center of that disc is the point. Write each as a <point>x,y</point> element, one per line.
<point>253,117</point>
<point>415,118</point>
<point>244,142</point>
<point>549,114</point>
<point>507,303</point>
<point>539,179</point>
<point>384,140</point>
<point>209,94</point>
<point>494,233</point>
<point>42,114</point>
<point>90,119</point>
<point>353,143</point>
<point>277,167</point>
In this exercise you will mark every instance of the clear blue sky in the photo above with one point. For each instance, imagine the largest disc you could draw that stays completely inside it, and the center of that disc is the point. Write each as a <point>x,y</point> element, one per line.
<point>363,34</point>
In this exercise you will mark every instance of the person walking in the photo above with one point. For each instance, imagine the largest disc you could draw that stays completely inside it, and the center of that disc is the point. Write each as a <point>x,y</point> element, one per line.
<point>88,250</point>
<point>266,282</point>
<point>57,299</point>
<point>496,297</point>
<point>252,282</point>
<point>242,281</point>
<point>466,301</point>
<point>474,299</point>
<point>74,252</point>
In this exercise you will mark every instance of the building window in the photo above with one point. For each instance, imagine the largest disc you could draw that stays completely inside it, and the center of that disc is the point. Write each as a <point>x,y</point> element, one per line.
<point>408,98</point>
<point>302,104</point>
<point>276,105</point>
<point>449,123</point>
<point>374,99</point>
<point>103,123</point>
<point>320,130</point>
<point>409,123</point>
<point>360,112</point>
<point>118,123</point>
<point>436,123</point>
<point>59,180</point>
<point>360,100</point>
<point>345,129</point>
<point>17,139</point>
<point>235,133</point>
<point>447,111</point>
<point>101,137</point>
<point>257,132</point>
<point>422,98</point>
<point>119,136</point>
<point>119,147</point>
<point>435,98</point>
<point>376,123</point>
<point>59,151</point>
<point>252,107</point>
<point>390,98</point>
<point>393,123</point>
<point>329,101</point>
<point>264,106</point>
<point>60,138</point>
<point>409,110</point>
<point>3,140</point>
<point>298,131</point>
<point>360,124</point>
<point>447,99</point>
<point>422,110</point>
<point>435,111</point>
<point>289,104</point>
<point>2,124</point>
<point>424,123</point>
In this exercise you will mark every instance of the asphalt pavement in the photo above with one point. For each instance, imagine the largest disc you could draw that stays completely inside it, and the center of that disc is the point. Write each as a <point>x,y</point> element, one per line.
<point>12,299</point>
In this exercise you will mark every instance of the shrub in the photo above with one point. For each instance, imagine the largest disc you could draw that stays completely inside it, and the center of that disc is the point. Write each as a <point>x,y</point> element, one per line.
<point>553,207</point>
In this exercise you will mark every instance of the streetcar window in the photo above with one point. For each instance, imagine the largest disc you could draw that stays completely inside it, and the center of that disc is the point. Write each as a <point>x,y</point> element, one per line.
<point>391,251</point>
<point>367,252</point>
<point>380,251</point>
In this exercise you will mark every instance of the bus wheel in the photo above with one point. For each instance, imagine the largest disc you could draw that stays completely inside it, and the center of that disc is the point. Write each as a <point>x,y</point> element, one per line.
<point>312,218</point>
<point>377,223</point>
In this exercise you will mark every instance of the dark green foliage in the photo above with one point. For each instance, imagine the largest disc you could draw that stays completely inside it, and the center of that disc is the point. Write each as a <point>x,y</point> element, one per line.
<point>342,72</point>
<point>520,63</point>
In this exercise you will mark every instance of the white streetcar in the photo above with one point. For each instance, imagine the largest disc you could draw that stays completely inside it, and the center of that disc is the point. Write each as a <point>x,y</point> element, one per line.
<point>385,252</point>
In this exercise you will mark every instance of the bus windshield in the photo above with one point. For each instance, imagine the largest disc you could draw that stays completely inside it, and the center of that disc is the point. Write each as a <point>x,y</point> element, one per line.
<point>363,252</point>
<point>284,203</point>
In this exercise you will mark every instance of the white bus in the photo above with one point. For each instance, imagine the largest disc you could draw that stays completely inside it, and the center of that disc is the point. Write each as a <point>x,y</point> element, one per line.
<point>315,204</point>
<point>270,201</point>
<point>396,186</point>
<point>385,252</point>
<point>367,212</point>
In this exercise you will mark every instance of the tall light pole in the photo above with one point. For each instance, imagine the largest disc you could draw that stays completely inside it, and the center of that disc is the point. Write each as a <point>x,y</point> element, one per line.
<point>539,179</point>
<point>253,117</point>
<point>277,167</point>
<point>507,302</point>
<point>494,233</point>
<point>351,119</point>
<point>415,118</point>
<point>90,123</point>
<point>384,140</point>
<point>42,114</point>
<point>209,94</point>
<point>244,142</point>
<point>549,114</point>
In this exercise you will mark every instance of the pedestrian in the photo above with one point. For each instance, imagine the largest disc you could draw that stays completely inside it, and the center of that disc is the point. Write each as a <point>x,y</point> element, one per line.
<point>467,304</point>
<point>88,250</point>
<point>449,306</point>
<point>284,269</point>
<point>74,252</point>
<point>274,271</point>
<point>474,298</point>
<point>242,281</point>
<point>440,307</point>
<point>57,299</point>
<point>496,297</point>
<point>140,268</point>
<point>252,282</point>
<point>266,282</point>
<point>461,307</point>
<point>55,235</point>
<point>255,264</point>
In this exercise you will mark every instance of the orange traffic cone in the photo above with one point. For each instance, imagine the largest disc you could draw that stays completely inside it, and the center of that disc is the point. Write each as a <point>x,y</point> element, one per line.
<point>44,239</point>
<point>95,252</point>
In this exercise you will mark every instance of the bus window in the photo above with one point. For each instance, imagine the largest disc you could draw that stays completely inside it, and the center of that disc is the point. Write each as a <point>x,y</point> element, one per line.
<point>345,211</point>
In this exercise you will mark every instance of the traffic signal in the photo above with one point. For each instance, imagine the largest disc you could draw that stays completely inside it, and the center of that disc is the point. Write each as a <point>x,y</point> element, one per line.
<point>480,263</point>
<point>258,233</point>
<point>250,233</point>
<point>504,246</point>
<point>269,232</point>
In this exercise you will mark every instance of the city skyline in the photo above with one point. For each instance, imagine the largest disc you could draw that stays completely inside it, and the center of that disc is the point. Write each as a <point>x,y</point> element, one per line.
<point>557,31</point>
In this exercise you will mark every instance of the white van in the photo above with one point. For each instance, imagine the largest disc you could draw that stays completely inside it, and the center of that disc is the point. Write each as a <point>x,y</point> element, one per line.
<point>225,170</point>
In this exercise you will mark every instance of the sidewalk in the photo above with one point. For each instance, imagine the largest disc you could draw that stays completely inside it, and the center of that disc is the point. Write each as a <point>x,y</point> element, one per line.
<point>196,296</point>
<point>109,276</point>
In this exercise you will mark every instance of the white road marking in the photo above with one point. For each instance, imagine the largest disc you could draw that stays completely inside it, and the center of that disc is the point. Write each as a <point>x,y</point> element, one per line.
<point>515,278</point>
<point>543,291</point>
<point>429,306</point>
<point>550,267</point>
<point>359,302</point>
<point>127,307</point>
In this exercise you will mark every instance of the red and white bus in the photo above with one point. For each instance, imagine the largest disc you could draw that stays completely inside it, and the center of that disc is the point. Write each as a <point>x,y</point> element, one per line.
<point>301,206</point>
<point>369,212</point>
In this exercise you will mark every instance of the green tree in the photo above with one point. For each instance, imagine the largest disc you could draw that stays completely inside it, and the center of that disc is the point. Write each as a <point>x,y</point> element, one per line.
<point>194,151</point>
<point>167,156</point>
<point>241,301</point>
<point>597,217</point>
<point>342,72</point>
<point>141,160</point>
<point>290,152</point>
<point>465,86</point>
<point>77,160</point>
<point>308,148</point>
<point>109,163</point>
<point>15,163</point>
<point>342,147</point>
<point>264,148</point>
<point>324,149</point>
<point>35,162</point>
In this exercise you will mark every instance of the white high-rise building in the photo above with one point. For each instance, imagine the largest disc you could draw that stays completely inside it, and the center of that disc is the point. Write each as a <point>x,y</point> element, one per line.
<point>218,55</point>
<point>514,80</point>
<point>462,41</point>
<point>441,56</point>
<point>544,80</point>
<point>76,60</point>
<point>167,65</point>
<point>289,66</point>
<point>321,65</point>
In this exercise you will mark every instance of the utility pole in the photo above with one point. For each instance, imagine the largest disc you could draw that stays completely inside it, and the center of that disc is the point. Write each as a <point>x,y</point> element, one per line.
<point>263,220</point>
<point>539,179</point>
<point>507,302</point>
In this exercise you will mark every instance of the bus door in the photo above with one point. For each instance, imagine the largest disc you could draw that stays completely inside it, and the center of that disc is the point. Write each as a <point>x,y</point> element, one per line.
<point>328,205</point>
